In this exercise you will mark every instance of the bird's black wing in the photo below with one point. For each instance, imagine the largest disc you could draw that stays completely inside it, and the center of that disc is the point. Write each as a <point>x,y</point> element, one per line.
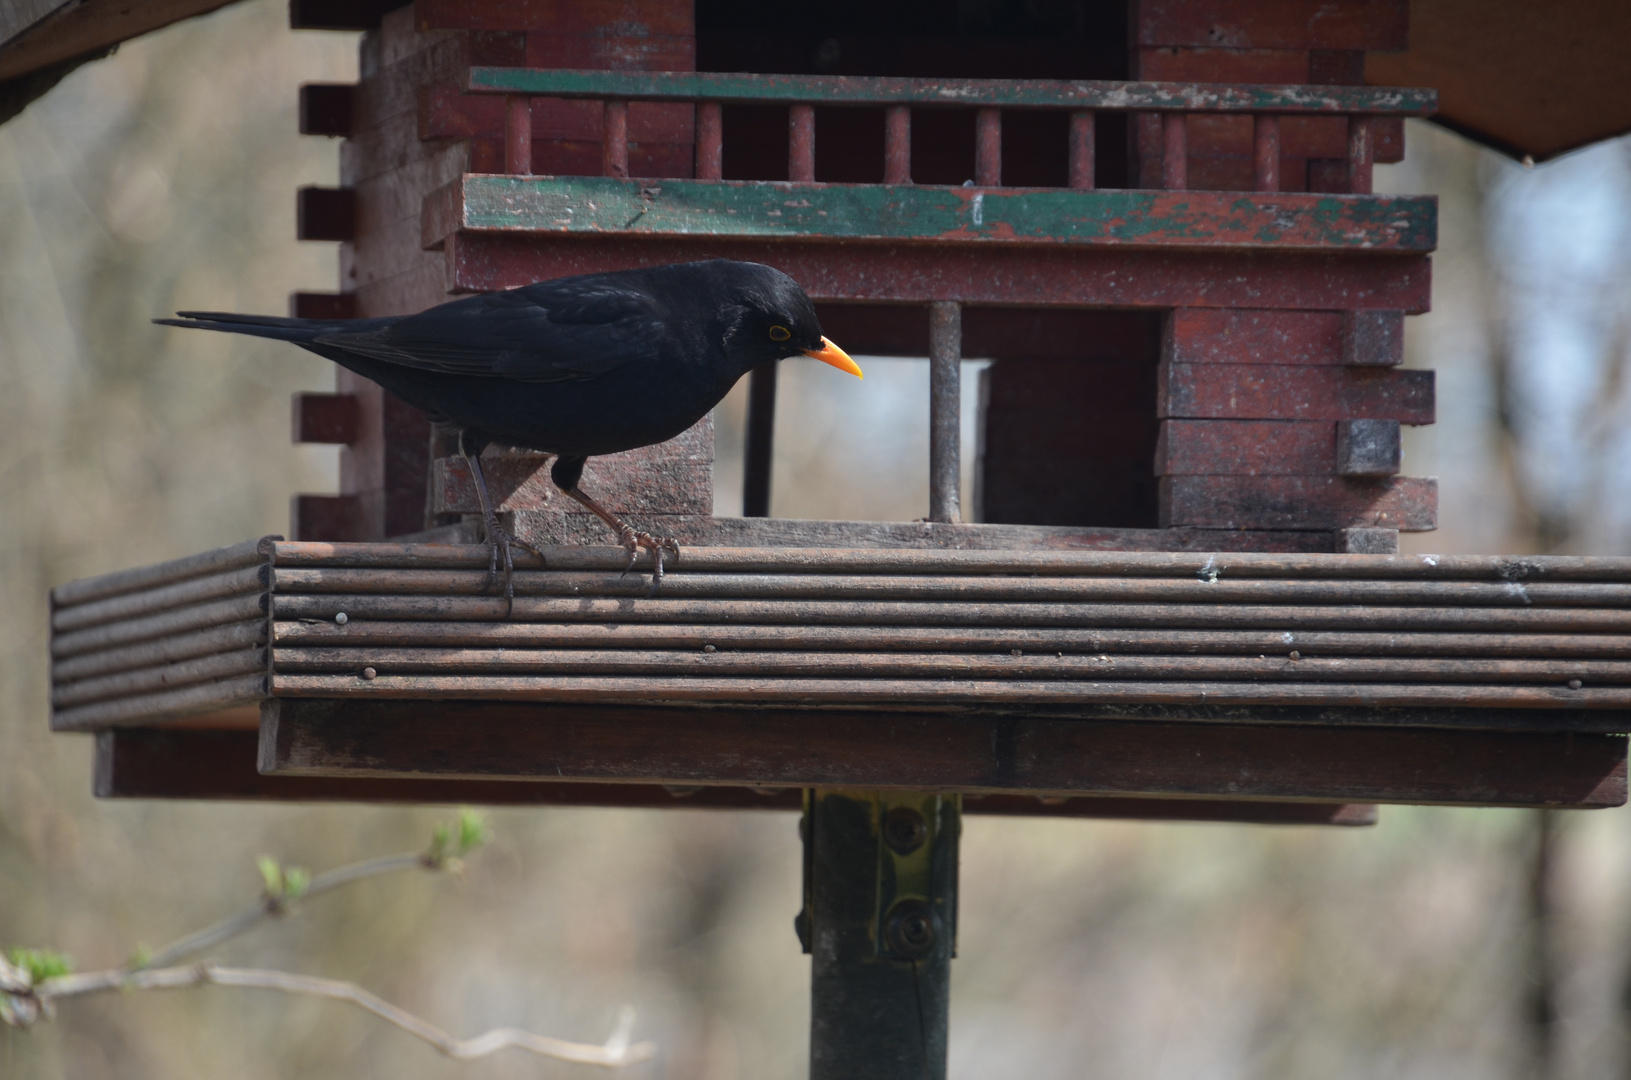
<point>575,328</point>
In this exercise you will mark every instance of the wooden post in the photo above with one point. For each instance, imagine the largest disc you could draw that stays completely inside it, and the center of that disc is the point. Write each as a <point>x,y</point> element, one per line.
<point>710,141</point>
<point>801,144</point>
<point>945,411</point>
<point>1359,155</point>
<point>1266,153</point>
<point>518,135</point>
<point>897,145</point>
<point>988,148</point>
<point>614,146</point>
<point>1082,151</point>
<point>880,924</point>
<point>761,441</point>
<point>1175,151</point>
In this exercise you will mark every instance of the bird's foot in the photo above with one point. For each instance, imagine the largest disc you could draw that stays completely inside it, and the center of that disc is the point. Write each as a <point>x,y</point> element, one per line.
<point>499,543</point>
<point>633,540</point>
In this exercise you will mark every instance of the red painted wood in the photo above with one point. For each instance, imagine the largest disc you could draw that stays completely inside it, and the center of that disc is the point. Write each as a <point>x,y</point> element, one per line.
<point>1082,150</point>
<point>326,108</point>
<point>314,305</point>
<point>1246,448</point>
<point>1286,67</point>
<point>988,148</point>
<point>1174,151</point>
<point>1359,155</point>
<point>1266,153</point>
<point>994,275</point>
<point>1407,503</point>
<point>1233,336</point>
<point>334,518</point>
<point>1294,392</point>
<point>614,142</point>
<point>1277,24</point>
<point>325,213</point>
<point>632,52</point>
<point>585,18</point>
<point>518,135</point>
<point>145,763</point>
<point>962,753</point>
<point>801,144</point>
<point>710,161</point>
<point>989,332</point>
<point>897,145</point>
<point>334,419</point>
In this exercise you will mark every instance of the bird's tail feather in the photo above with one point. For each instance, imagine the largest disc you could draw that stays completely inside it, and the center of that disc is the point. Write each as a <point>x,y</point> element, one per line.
<point>267,326</point>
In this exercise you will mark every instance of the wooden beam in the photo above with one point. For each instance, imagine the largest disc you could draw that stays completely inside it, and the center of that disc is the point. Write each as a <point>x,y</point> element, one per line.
<point>993,754</point>
<point>200,764</point>
<point>753,210</point>
<point>922,93</point>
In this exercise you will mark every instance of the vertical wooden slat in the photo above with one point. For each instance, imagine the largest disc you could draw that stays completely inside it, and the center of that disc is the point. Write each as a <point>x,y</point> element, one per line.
<point>614,145</point>
<point>897,145</point>
<point>710,141</point>
<point>801,144</point>
<point>1175,151</point>
<point>1359,155</point>
<point>1266,153</point>
<point>945,410</point>
<point>518,135</point>
<point>1082,151</point>
<point>761,441</point>
<point>988,148</point>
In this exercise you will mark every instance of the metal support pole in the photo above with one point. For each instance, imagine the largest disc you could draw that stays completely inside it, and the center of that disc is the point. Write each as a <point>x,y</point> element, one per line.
<point>761,440</point>
<point>945,411</point>
<point>880,924</point>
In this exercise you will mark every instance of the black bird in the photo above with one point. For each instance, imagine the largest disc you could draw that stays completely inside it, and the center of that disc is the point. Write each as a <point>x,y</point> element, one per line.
<point>574,367</point>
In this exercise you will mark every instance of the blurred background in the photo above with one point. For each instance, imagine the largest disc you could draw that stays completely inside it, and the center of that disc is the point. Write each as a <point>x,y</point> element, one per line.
<point>1441,943</point>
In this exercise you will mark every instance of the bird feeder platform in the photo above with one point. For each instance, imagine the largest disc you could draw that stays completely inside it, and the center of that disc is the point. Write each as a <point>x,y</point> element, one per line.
<point>1044,681</point>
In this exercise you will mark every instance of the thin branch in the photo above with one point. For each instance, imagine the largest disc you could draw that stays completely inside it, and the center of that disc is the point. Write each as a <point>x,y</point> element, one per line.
<point>615,1052</point>
<point>270,907</point>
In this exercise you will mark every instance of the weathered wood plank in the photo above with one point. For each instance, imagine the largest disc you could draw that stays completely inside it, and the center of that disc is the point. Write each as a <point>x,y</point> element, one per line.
<point>1002,557</point>
<point>1310,643</point>
<point>215,561</point>
<point>748,210</point>
<point>1303,392</point>
<point>132,605</point>
<point>1379,25</point>
<point>168,676</point>
<point>168,650</point>
<point>958,753</point>
<point>1016,665</point>
<point>577,17</point>
<point>143,710</point>
<point>1407,503</point>
<point>1082,275</point>
<point>190,764</point>
<point>1246,448</point>
<point>1233,336</point>
<point>690,584</point>
<point>922,93</point>
<point>165,624</point>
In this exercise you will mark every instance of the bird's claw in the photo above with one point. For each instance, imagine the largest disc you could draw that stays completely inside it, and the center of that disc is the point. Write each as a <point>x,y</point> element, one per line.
<point>633,540</point>
<point>500,541</point>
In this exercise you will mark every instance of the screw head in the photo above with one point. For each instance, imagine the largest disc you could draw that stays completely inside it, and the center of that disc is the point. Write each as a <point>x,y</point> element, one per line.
<point>341,619</point>
<point>904,830</point>
<point>910,929</point>
<point>369,673</point>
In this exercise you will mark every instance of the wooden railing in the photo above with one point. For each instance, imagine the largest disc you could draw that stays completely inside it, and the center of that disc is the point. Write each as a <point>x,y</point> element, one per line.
<point>1173,103</point>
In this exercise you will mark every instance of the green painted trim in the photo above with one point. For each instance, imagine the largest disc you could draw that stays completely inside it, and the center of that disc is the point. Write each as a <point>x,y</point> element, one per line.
<point>1007,93</point>
<point>782,211</point>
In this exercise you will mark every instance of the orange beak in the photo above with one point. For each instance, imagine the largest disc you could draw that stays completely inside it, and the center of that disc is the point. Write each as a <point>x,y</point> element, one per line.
<point>838,358</point>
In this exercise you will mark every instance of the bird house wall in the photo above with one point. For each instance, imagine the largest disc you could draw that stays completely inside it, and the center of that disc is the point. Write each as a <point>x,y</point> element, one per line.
<point>410,132</point>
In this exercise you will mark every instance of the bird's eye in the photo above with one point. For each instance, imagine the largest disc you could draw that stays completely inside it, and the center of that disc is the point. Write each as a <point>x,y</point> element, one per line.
<point>780,333</point>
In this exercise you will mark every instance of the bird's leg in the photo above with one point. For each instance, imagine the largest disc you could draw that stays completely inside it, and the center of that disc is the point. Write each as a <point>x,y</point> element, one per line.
<point>498,538</point>
<point>566,473</point>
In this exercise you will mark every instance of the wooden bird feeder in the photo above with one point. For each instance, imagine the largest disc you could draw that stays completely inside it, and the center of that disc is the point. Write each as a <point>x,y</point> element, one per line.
<point>1179,597</point>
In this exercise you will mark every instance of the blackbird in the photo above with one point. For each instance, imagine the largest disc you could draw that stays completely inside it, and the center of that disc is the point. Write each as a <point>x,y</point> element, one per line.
<point>574,367</point>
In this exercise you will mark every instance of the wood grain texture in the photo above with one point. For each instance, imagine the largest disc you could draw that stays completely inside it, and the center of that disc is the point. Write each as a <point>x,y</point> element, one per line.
<point>1407,503</point>
<point>927,752</point>
<point>1286,392</point>
<point>1245,448</point>
<point>193,764</point>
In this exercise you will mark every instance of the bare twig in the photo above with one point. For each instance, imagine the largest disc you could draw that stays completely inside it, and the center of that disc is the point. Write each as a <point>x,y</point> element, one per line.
<point>271,906</point>
<point>615,1052</point>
